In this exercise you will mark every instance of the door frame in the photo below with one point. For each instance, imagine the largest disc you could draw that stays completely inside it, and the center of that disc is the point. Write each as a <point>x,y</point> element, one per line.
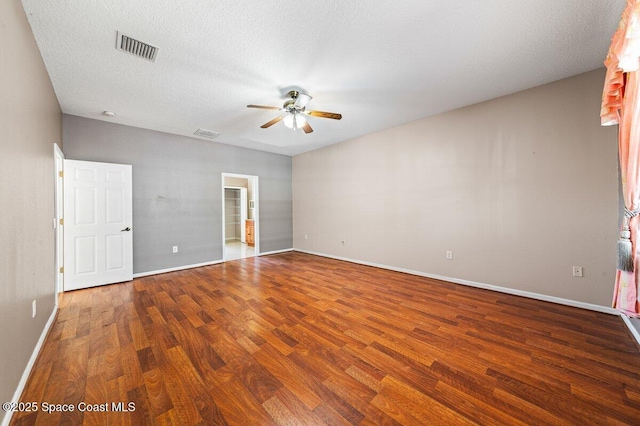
<point>58,199</point>
<point>256,211</point>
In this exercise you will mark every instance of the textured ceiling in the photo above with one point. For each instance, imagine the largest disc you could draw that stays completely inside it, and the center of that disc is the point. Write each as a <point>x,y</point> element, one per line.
<point>378,63</point>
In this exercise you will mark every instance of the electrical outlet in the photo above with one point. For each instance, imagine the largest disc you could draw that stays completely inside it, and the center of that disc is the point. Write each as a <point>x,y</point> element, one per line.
<point>175,249</point>
<point>577,271</point>
<point>449,255</point>
<point>306,237</point>
<point>33,309</point>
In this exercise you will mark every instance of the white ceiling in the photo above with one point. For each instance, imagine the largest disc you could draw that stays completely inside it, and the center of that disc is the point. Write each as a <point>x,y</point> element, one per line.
<point>378,63</point>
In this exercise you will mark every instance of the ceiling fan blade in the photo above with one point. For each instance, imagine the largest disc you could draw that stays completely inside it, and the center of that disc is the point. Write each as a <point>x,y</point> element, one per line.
<point>302,100</point>
<point>262,107</point>
<point>272,122</point>
<point>323,114</point>
<point>307,128</point>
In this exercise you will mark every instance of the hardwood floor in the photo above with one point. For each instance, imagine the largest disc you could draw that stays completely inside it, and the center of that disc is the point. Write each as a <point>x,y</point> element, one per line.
<point>298,339</point>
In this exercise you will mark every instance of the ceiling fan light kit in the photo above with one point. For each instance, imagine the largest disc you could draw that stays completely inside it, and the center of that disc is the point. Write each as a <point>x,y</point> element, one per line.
<point>294,121</point>
<point>294,111</point>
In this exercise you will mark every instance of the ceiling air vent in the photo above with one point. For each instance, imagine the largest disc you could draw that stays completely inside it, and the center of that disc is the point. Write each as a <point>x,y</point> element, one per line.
<point>136,47</point>
<point>208,134</point>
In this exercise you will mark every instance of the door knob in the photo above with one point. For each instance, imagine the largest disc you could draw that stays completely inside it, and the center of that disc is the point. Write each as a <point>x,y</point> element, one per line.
<point>127,229</point>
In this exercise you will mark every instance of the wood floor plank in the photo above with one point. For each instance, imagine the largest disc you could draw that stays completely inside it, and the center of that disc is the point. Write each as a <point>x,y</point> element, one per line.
<point>300,339</point>
<point>302,414</point>
<point>156,392</point>
<point>296,379</point>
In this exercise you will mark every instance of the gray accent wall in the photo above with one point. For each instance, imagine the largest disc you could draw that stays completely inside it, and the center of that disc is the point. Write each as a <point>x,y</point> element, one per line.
<point>30,123</point>
<point>177,189</point>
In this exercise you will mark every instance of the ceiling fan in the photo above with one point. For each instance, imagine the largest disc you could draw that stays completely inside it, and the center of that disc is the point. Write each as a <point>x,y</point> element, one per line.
<point>294,112</point>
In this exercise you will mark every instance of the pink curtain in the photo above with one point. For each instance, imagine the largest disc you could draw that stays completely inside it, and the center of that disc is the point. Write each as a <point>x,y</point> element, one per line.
<point>620,105</point>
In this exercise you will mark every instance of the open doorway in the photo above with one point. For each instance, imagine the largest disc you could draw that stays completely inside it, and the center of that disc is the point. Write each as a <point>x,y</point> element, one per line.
<point>239,216</point>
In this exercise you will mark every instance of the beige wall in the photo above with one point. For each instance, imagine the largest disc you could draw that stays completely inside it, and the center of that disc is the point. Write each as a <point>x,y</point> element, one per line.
<point>520,188</point>
<point>30,122</point>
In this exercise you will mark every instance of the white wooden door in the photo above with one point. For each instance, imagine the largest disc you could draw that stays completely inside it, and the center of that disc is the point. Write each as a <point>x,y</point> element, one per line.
<point>98,235</point>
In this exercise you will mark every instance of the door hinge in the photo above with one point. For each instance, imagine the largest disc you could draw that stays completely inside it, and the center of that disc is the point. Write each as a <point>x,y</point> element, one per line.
<point>62,221</point>
<point>62,269</point>
<point>61,173</point>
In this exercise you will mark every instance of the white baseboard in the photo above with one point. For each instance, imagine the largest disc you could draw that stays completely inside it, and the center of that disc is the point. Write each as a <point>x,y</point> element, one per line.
<point>528,294</point>
<point>267,253</point>
<point>177,268</point>
<point>32,361</point>
<point>634,331</point>
<point>197,265</point>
